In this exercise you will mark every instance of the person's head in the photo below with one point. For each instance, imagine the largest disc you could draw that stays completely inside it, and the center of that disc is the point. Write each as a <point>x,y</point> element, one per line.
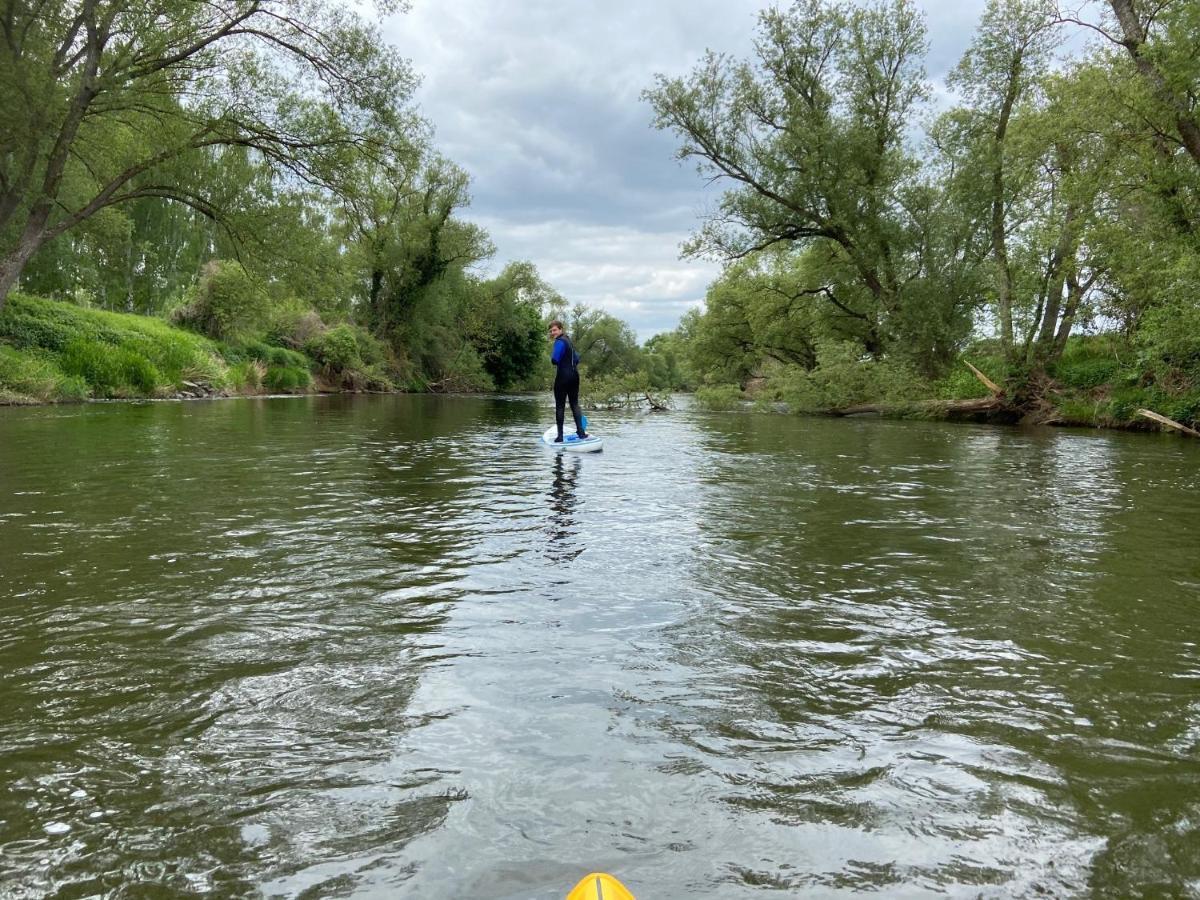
<point>556,329</point>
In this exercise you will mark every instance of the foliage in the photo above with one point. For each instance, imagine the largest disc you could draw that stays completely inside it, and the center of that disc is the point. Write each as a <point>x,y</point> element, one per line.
<point>35,375</point>
<point>811,134</point>
<point>503,322</point>
<point>960,383</point>
<point>111,371</point>
<point>35,323</point>
<point>1089,362</point>
<point>719,397</point>
<point>123,101</point>
<point>630,390</point>
<point>843,377</point>
<point>227,304</point>
<point>287,379</point>
<point>247,377</point>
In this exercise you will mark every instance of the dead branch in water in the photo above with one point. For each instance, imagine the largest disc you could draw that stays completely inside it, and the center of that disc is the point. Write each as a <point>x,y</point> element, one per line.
<point>1170,423</point>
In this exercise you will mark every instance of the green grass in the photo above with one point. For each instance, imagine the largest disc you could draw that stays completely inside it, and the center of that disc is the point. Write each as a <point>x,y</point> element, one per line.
<point>287,379</point>
<point>55,351</point>
<point>33,376</point>
<point>114,354</point>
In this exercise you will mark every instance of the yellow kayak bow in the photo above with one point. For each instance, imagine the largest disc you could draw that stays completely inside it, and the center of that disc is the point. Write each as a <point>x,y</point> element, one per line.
<point>599,886</point>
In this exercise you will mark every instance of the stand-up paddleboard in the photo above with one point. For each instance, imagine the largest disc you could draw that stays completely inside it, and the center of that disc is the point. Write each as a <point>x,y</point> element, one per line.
<point>571,441</point>
<point>599,886</point>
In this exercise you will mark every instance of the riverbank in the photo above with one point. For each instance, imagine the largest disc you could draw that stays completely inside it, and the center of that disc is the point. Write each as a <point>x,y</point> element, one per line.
<point>1100,382</point>
<point>54,352</point>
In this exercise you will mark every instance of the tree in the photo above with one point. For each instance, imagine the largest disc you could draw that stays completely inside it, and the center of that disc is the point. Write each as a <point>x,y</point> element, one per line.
<point>404,236</point>
<point>503,322</point>
<point>812,137</point>
<point>606,345</point>
<point>110,101</point>
<point>996,75</point>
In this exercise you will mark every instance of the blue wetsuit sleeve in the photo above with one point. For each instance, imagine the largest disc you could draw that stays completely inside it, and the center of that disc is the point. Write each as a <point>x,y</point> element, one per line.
<point>559,347</point>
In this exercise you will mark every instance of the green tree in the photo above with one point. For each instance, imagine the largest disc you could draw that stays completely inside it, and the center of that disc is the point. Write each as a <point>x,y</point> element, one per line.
<point>503,322</point>
<point>94,116</point>
<point>996,76</point>
<point>812,136</point>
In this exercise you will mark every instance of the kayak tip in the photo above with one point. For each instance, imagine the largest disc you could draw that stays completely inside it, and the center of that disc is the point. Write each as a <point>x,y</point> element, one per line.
<point>599,886</point>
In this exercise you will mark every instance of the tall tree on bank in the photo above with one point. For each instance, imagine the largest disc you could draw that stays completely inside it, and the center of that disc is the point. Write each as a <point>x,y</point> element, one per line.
<point>999,70</point>
<point>812,137</point>
<point>103,99</point>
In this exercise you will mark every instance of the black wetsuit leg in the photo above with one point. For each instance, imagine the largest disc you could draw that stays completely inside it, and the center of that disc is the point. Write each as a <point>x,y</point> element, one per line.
<point>566,389</point>
<point>573,397</point>
<point>560,402</point>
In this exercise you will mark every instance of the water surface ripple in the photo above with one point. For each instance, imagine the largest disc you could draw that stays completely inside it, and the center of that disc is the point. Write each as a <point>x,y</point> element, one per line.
<point>389,646</point>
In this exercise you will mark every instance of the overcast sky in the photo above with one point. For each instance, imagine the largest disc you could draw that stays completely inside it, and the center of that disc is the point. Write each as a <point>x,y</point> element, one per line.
<point>540,102</point>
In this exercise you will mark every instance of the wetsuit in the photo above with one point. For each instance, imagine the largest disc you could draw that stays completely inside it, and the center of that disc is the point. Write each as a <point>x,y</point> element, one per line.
<point>566,383</point>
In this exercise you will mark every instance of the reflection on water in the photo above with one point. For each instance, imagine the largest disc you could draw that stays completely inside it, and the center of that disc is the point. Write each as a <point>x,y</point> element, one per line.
<point>561,543</point>
<point>391,646</point>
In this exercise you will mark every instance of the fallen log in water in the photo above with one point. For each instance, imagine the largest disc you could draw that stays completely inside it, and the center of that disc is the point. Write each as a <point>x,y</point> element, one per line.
<point>990,406</point>
<point>1170,423</point>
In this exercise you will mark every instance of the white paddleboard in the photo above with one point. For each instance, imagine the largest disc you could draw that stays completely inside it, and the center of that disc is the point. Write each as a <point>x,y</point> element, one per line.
<point>571,441</point>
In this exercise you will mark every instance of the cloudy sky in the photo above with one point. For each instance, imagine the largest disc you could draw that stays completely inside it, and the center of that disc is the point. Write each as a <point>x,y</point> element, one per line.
<point>540,102</point>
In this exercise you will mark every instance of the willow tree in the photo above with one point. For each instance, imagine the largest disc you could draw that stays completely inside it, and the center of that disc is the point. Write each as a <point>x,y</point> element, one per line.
<point>811,137</point>
<point>997,76</point>
<point>104,101</point>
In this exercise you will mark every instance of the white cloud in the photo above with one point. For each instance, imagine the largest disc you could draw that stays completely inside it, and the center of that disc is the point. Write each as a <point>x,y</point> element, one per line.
<point>540,102</point>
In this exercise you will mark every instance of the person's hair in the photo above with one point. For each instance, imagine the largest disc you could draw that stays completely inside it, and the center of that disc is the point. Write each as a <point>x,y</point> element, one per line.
<point>557,324</point>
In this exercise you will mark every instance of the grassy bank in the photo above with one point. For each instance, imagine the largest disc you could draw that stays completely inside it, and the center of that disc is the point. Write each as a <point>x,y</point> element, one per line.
<point>53,352</point>
<point>1100,381</point>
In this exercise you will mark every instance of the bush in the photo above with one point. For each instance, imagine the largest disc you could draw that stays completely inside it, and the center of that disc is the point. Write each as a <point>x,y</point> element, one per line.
<point>718,397</point>
<point>293,323</point>
<point>226,304</point>
<point>1087,362</point>
<point>1169,338</point>
<point>247,376</point>
<point>287,379</point>
<point>960,383</point>
<point>630,390</point>
<point>844,378</point>
<point>336,350</point>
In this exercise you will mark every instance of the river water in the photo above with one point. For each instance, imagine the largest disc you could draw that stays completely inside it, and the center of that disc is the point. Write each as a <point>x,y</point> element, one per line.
<point>390,647</point>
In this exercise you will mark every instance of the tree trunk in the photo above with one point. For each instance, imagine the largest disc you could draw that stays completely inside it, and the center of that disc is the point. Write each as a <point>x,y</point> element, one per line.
<point>13,264</point>
<point>1135,41</point>
<point>1004,280</point>
<point>1061,269</point>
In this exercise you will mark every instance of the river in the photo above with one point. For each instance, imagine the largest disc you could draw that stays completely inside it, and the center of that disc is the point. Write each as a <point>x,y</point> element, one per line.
<point>389,646</point>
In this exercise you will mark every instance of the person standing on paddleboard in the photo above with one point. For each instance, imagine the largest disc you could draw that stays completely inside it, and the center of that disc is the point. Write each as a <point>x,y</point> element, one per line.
<point>566,380</point>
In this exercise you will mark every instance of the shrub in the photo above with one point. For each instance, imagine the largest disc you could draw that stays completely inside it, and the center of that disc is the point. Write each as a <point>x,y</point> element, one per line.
<point>287,379</point>
<point>718,397</point>
<point>247,376</point>
<point>844,378</point>
<point>960,383</point>
<point>226,304</point>
<point>280,356</point>
<point>336,349</point>
<point>1169,338</point>
<point>1087,362</point>
<point>293,323</point>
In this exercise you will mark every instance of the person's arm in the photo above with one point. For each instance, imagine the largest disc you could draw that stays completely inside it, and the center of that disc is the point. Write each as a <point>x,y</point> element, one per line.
<point>559,348</point>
